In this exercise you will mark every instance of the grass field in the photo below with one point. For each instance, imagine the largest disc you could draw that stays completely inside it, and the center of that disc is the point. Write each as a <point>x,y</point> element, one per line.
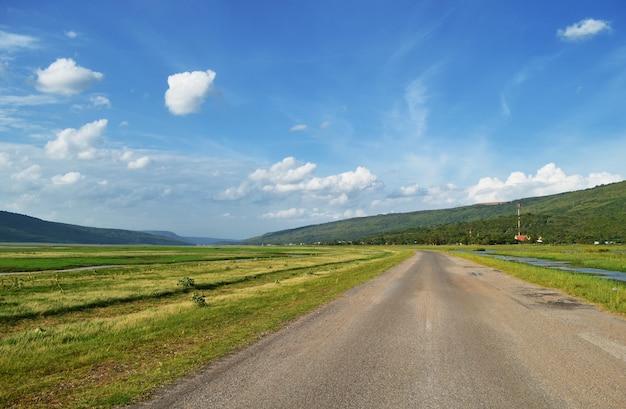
<point>106,337</point>
<point>99,338</point>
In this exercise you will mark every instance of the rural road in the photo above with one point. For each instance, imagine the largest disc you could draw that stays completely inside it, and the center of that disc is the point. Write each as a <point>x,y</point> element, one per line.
<point>434,332</point>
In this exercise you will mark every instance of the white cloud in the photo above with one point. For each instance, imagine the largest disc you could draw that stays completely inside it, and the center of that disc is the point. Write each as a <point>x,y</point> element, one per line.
<point>583,30</point>
<point>285,214</point>
<point>188,90</point>
<point>67,179</point>
<point>5,161</point>
<point>410,117</point>
<point>32,173</point>
<point>290,177</point>
<point>100,102</point>
<point>504,106</point>
<point>285,171</point>
<point>27,100</point>
<point>410,190</point>
<point>64,77</point>
<point>342,199</point>
<point>94,102</point>
<point>347,182</point>
<point>79,142</point>
<point>354,213</point>
<point>297,128</point>
<point>548,180</point>
<point>71,34</point>
<point>12,42</point>
<point>139,163</point>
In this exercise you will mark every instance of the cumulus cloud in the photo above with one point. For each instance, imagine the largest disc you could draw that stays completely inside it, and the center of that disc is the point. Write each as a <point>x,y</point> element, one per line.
<point>128,157</point>
<point>408,191</point>
<point>68,179</point>
<point>12,42</point>
<point>97,102</point>
<point>71,34</point>
<point>139,163</point>
<point>188,90</point>
<point>583,30</point>
<point>100,102</point>
<point>297,128</point>
<point>548,180</point>
<point>290,176</point>
<point>64,77</point>
<point>285,171</point>
<point>77,142</point>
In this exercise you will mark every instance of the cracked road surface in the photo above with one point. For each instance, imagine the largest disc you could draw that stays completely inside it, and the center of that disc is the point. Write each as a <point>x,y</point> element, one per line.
<point>433,332</point>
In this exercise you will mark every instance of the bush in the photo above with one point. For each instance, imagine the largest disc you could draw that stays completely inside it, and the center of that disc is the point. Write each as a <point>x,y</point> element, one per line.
<point>198,299</point>
<point>186,282</point>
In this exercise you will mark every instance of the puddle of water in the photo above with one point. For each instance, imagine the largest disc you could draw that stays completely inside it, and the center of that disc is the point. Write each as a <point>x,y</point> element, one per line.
<point>560,265</point>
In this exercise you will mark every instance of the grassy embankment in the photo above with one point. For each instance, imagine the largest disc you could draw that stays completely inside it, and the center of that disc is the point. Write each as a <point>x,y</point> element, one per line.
<point>101,338</point>
<point>609,295</point>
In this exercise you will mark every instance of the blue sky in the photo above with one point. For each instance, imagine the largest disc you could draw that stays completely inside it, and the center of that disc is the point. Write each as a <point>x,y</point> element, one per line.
<point>235,118</point>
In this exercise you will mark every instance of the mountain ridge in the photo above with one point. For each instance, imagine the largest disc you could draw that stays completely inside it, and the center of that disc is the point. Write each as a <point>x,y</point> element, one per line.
<point>19,228</point>
<point>603,206</point>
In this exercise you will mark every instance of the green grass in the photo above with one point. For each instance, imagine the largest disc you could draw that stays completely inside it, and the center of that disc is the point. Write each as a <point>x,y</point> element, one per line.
<point>609,295</point>
<point>40,258</point>
<point>108,337</point>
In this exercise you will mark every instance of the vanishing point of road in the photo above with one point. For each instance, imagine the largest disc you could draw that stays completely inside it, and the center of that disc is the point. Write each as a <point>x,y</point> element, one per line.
<point>433,332</point>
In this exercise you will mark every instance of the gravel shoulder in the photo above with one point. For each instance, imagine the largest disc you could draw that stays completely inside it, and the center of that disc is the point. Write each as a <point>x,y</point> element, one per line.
<point>433,332</point>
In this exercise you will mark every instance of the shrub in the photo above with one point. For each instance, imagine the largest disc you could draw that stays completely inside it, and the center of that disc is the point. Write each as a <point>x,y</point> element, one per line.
<point>198,299</point>
<point>186,282</point>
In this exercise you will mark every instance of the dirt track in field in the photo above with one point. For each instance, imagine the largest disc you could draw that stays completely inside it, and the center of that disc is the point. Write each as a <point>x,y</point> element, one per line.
<point>434,332</point>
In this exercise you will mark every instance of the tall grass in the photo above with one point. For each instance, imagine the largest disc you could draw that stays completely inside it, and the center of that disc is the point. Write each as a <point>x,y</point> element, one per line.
<point>105,338</point>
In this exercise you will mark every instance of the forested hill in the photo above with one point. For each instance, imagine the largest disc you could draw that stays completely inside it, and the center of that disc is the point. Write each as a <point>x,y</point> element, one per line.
<point>584,216</point>
<point>17,228</point>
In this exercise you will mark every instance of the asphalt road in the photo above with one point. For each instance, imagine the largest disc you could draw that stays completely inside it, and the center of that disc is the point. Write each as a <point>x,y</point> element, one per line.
<point>433,332</point>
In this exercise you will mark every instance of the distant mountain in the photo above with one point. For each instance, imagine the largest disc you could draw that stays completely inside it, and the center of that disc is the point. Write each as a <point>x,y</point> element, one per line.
<point>17,228</point>
<point>199,241</point>
<point>585,216</point>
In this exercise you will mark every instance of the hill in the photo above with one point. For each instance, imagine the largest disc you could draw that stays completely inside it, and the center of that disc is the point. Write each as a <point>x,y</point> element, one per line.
<point>17,228</point>
<point>584,216</point>
<point>199,241</point>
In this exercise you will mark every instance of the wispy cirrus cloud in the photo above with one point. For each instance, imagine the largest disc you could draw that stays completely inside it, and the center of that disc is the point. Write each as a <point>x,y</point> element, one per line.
<point>409,118</point>
<point>27,100</point>
<point>11,42</point>
<point>298,128</point>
